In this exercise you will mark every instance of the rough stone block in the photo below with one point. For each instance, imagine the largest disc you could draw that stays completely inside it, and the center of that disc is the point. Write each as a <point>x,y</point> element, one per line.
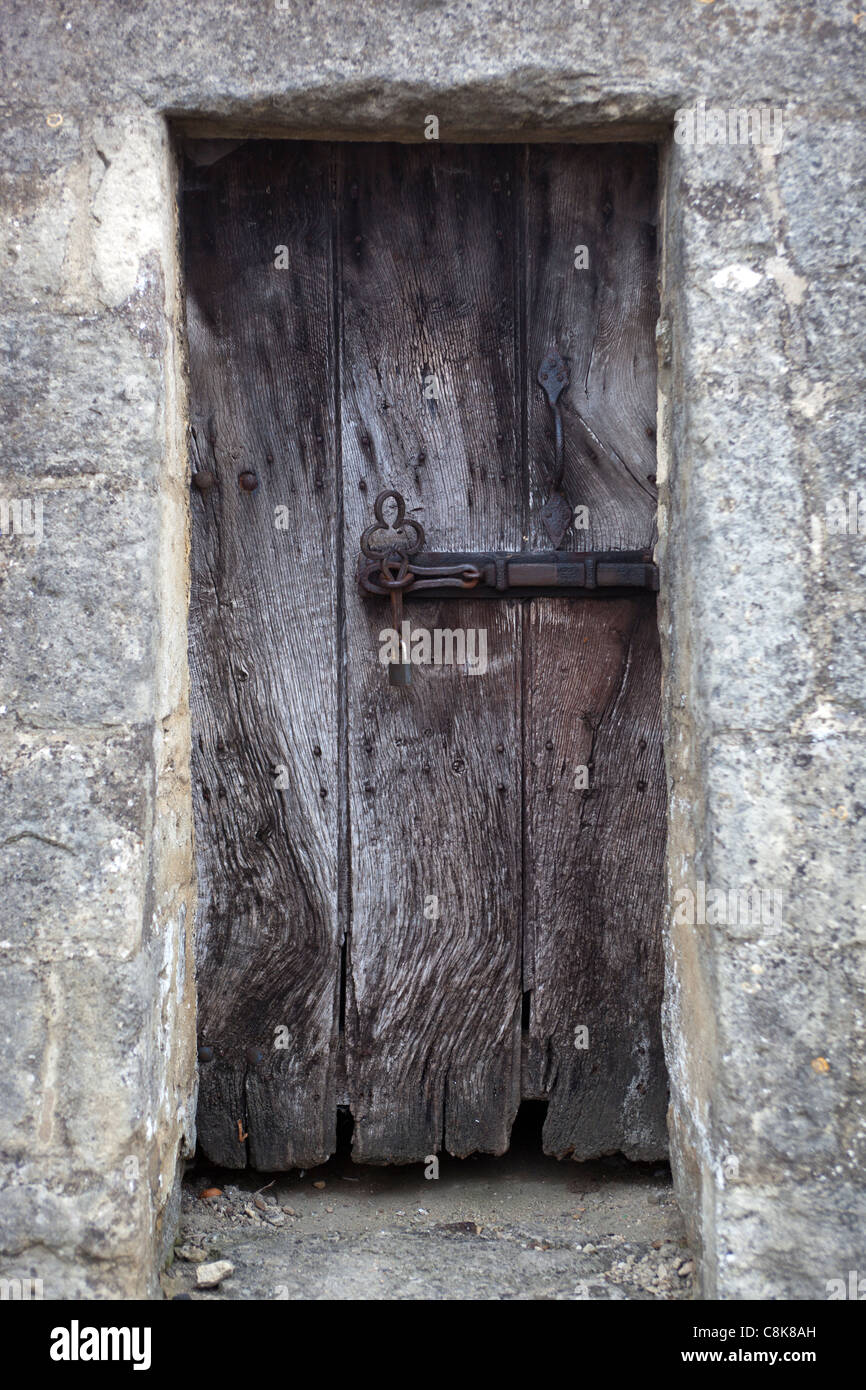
<point>786,1241</point>
<point>24,1008</point>
<point>80,398</point>
<point>79,610</point>
<point>73,843</point>
<point>783,814</point>
<point>820,177</point>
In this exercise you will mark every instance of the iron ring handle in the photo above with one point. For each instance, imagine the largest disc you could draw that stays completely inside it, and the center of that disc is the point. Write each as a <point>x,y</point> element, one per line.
<point>400,522</point>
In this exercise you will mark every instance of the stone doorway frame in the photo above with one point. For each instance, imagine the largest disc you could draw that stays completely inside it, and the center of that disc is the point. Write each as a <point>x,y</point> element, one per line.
<point>480,126</point>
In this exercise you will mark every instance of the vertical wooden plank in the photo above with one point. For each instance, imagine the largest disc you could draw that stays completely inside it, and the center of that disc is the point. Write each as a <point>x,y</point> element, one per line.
<point>594,865</point>
<point>602,319</point>
<point>594,853</point>
<point>263,632</point>
<point>433,1003</point>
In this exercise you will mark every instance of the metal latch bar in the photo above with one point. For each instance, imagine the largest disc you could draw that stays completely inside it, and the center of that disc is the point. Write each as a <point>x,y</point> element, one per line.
<point>501,574</point>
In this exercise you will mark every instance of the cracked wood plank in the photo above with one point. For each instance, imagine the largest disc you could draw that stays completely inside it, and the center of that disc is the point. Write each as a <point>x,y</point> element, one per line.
<point>595,853</point>
<point>594,864</point>
<point>263,624</point>
<point>433,1003</point>
<point>602,320</point>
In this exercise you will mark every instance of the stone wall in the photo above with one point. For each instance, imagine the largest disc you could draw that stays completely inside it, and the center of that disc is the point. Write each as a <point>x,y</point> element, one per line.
<point>764,704</point>
<point>98,1012</point>
<point>762,606</point>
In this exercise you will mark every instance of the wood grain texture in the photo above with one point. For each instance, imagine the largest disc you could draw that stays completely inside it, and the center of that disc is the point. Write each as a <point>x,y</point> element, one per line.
<point>407,264</point>
<point>433,1006</point>
<point>594,862</point>
<point>263,625</point>
<point>594,857</point>
<point>602,320</point>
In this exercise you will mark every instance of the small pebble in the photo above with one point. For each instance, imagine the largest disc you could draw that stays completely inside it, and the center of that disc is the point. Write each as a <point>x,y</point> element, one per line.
<point>319,1185</point>
<point>191,1253</point>
<point>209,1276</point>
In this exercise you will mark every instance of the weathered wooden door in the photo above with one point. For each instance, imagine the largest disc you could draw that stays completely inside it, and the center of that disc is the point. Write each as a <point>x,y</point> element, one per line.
<point>429,903</point>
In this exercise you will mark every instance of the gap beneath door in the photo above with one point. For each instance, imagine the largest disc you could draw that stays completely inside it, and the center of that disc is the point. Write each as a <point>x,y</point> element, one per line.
<point>520,1227</point>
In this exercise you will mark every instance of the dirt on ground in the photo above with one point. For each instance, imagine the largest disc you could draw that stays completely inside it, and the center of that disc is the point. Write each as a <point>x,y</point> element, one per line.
<point>519,1227</point>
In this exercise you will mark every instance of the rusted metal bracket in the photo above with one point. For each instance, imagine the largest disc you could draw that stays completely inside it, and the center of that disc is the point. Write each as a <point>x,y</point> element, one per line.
<point>400,568</point>
<point>504,574</point>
